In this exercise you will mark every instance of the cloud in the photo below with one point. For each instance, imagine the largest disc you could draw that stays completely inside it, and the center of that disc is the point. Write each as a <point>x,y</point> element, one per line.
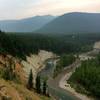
<point>12,9</point>
<point>57,7</point>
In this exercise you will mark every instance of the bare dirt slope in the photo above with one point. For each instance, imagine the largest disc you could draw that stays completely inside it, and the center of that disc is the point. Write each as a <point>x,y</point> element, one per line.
<point>12,91</point>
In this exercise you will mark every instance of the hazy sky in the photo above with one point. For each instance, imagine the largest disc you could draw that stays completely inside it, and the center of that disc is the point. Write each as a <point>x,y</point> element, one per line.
<point>16,9</point>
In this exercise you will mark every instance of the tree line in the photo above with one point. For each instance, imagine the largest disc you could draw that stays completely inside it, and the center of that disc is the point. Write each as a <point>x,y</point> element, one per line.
<point>40,86</point>
<point>64,61</point>
<point>22,44</point>
<point>55,43</point>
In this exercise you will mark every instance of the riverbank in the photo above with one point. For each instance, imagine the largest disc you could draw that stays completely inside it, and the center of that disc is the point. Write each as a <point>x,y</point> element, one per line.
<point>56,91</point>
<point>36,63</point>
<point>64,84</point>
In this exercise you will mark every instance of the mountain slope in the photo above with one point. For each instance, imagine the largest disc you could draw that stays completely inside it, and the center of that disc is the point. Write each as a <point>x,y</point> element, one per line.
<point>25,25</point>
<point>73,23</point>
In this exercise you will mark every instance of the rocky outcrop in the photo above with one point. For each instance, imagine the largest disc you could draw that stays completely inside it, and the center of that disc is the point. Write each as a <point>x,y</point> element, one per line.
<point>10,62</point>
<point>36,62</point>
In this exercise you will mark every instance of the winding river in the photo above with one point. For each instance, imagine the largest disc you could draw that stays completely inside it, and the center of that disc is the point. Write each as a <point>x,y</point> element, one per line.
<point>53,84</point>
<point>54,90</point>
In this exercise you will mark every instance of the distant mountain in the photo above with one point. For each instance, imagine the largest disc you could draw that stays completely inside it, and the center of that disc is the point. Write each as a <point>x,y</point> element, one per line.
<point>75,22</point>
<point>25,25</point>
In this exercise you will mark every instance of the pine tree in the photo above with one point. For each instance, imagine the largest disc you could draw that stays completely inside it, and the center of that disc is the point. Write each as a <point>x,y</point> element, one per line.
<point>44,87</point>
<point>30,80</point>
<point>7,73</point>
<point>0,31</point>
<point>38,84</point>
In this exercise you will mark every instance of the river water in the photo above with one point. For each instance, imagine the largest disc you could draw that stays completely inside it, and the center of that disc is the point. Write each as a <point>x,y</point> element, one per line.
<point>54,90</point>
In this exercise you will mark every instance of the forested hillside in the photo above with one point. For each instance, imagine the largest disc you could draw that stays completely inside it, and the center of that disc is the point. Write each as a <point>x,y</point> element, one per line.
<point>86,78</point>
<point>21,45</point>
<point>75,22</point>
<point>65,61</point>
<point>9,45</point>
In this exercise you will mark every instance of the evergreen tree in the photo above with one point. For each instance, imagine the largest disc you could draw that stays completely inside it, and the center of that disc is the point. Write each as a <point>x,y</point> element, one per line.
<point>38,84</point>
<point>6,73</point>
<point>0,31</point>
<point>30,80</point>
<point>44,87</point>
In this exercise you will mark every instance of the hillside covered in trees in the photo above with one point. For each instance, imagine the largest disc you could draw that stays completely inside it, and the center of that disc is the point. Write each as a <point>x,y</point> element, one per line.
<point>20,45</point>
<point>86,78</point>
<point>74,22</point>
<point>63,62</point>
<point>24,44</point>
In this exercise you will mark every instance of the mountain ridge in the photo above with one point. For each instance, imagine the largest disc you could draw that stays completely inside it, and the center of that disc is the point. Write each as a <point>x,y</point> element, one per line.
<point>25,25</point>
<point>74,22</point>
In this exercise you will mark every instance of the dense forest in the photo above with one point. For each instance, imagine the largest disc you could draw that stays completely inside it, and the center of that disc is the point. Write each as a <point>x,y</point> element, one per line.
<point>22,44</point>
<point>10,45</point>
<point>64,61</point>
<point>86,78</point>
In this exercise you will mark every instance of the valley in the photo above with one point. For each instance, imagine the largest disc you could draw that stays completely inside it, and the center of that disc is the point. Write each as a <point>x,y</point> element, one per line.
<point>58,87</point>
<point>49,49</point>
<point>44,66</point>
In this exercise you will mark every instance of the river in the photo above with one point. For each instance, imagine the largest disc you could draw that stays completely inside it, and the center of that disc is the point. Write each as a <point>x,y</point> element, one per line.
<point>53,84</point>
<point>53,87</point>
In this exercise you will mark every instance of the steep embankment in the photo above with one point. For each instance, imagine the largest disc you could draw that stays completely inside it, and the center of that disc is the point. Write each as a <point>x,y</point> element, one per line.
<point>36,62</point>
<point>63,83</point>
<point>13,91</point>
<point>14,75</point>
<point>12,80</point>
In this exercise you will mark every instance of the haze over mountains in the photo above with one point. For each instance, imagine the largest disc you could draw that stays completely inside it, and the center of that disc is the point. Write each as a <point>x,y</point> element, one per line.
<point>74,22</point>
<point>25,25</point>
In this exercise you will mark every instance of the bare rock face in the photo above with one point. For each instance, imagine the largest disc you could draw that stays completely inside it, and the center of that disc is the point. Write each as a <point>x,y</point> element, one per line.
<point>97,45</point>
<point>8,61</point>
<point>36,62</point>
<point>11,89</point>
<point>96,48</point>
